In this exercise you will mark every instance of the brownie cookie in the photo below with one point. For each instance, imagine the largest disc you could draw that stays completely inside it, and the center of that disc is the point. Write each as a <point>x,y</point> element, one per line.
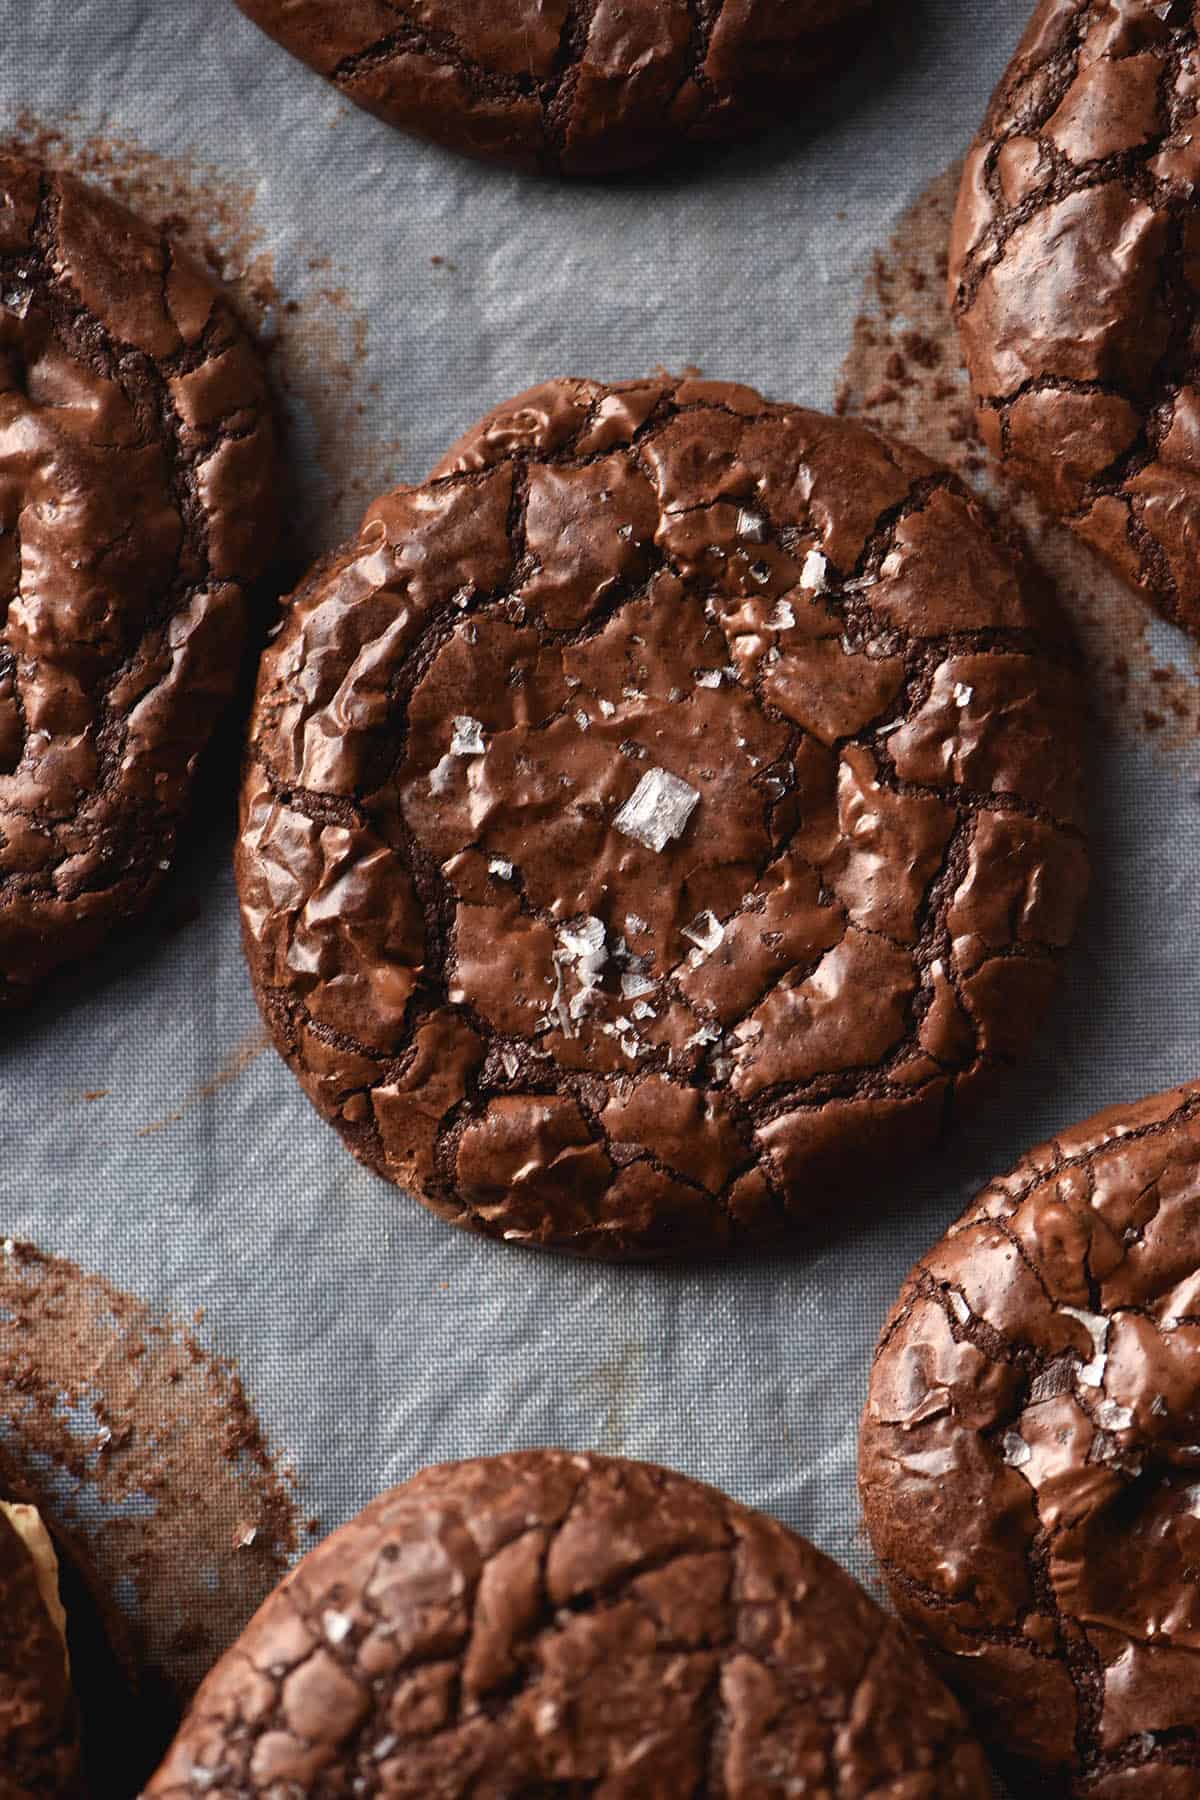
<point>543,1623</point>
<point>1029,1459</point>
<point>1073,273</point>
<point>563,88</point>
<point>652,820</point>
<point>39,1737</point>
<point>137,499</point>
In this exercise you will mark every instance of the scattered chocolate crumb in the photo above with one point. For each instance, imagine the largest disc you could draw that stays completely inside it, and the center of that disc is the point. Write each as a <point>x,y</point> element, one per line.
<point>141,1441</point>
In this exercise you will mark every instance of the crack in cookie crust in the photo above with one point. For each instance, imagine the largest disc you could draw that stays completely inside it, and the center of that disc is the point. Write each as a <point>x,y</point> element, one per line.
<point>1072,272</point>
<point>1028,1461</point>
<point>575,87</point>
<point>137,502</point>
<point>657,818</point>
<point>553,1624</point>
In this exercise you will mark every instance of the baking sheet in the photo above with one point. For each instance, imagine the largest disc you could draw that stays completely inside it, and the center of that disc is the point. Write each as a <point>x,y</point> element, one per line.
<point>425,288</point>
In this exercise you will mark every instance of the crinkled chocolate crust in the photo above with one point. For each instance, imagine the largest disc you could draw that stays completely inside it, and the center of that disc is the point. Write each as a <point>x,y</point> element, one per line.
<point>1073,272</point>
<point>545,1624</point>
<point>653,822</point>
<point>573,87</point>
<point>1029,1462</point>
<point>137,501</point>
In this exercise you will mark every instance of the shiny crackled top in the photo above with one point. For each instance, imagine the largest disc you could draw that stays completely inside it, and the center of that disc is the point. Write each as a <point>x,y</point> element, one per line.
<point>546,1623</point>
<point>137,505</point>
<point>1031,1453</point>
<point>551,85</point>
<point>660,807</point>
<point>1073,271</point>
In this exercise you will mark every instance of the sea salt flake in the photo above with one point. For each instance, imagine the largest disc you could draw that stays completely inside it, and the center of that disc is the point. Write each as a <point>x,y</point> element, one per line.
<point>635,982</point>
<point>384,1746</point>
<point>634,924</point>
<point>708,678</point>
<point>706,1034</point>
<point>657,810</point>
<point>706,932</point>
<point>752,525</point>
<point>632,693</point>
<point>499,867</point>
<point>892,564</point>
<point>1091,1374</point>
<point>760,572</point>
<point>631,1046</point>
<point>203,1779</point>
<point>607,708</point>
<point>337,1626</point>
<point>783,617</point>
<point>815,574</point>
<point>1015,1450</point>
<point>642,1011</point>
<point>959,1307</point>
<point>583,720</point>
<point>510,1063</point>
<point>468,738</point>
<point>440,774</point>
<point>1112,1417</point>
<point>963,695</point>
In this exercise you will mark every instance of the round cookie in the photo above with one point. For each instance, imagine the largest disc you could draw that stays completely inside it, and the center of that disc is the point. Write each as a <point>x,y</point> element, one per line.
<point>1029,1463</point>
<point>546,1623</point>
<point>1073,271</point>
<point>39,1727</point>
<point>656,819</point>
<point>548,85</point>
<point>137,501</point>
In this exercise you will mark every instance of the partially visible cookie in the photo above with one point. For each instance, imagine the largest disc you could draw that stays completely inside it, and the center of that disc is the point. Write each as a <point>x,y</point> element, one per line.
<point>656,821</point>
<point>1073,272</point>
<point>1030,1456</point>
<point>546,1623</point>
<point>138,501</point>
<point>39,1726</point>
<point>550,85</point>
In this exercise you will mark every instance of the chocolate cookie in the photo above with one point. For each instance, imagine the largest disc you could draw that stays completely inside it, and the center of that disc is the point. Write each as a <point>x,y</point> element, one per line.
<point>551,85</point>
<point>1029,1462</point>
<point>652,821</point>
<point>39,1735</point>
<point>137,500</point>
<point>1073,272</point>
<point>545,1623</point>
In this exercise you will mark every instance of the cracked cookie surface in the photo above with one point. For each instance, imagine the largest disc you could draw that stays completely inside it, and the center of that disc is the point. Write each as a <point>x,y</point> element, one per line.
<point>1073,272</point>
<point>544,1623</point>
<point>39,1748</point>
<point>137,500</point>
<point>576,87</point>
<point>1029,1462</point>
<point>652,821</point>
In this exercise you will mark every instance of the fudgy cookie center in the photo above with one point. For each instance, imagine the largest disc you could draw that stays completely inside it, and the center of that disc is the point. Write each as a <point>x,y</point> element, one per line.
<point>612,808</point>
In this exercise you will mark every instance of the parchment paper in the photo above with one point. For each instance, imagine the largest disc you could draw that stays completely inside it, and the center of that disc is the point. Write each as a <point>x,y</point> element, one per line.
<point>373,1338</point>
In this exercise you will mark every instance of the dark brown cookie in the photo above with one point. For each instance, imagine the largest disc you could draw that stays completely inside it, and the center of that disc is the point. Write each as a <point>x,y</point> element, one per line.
<point>1073,272</point>
<point>651,821</point>
<point>546,1623</point>
<point>39,1729</point>
<point>556,86</point>
<point>1030,1463</point>
<point>137,500</point>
